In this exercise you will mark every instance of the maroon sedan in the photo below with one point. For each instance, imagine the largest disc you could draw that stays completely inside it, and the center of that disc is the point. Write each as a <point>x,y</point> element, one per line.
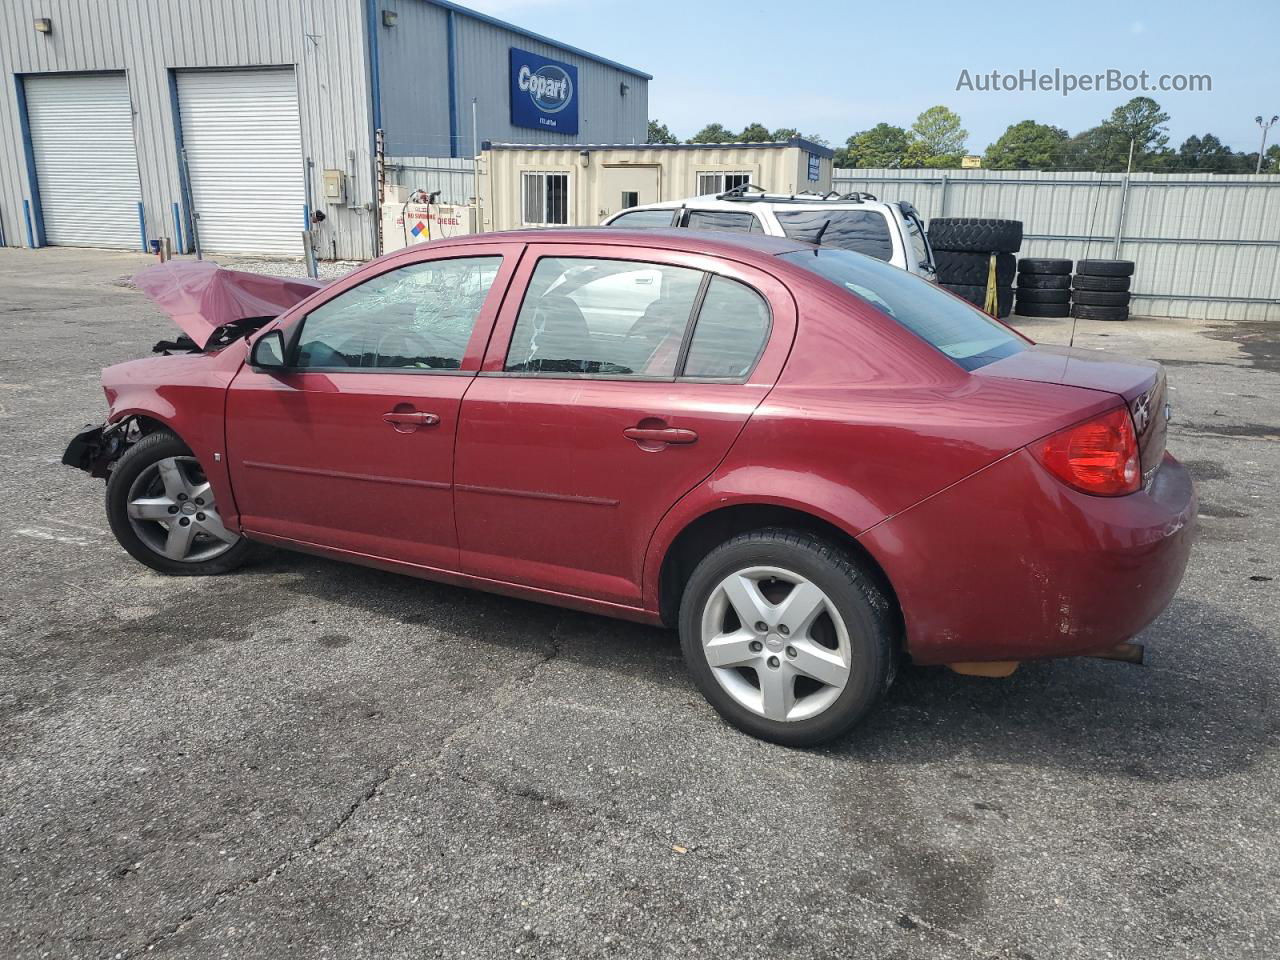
<point>807,460</point>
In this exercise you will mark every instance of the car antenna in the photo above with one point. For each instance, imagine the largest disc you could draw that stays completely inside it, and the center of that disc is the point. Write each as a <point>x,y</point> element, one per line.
<point>817,241</point>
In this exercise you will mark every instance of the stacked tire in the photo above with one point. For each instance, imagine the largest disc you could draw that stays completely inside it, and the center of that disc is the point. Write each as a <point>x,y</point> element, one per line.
<point>962,252</point>
<point>1100,289</point>
<point>1044,287</point>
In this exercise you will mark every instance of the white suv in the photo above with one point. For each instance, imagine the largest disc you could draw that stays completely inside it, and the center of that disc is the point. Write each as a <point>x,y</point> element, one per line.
<point>892,232</point>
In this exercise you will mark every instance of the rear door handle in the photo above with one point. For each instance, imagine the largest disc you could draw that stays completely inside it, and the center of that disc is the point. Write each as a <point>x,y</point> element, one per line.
<point>414,418</point>
<point>659,435</point>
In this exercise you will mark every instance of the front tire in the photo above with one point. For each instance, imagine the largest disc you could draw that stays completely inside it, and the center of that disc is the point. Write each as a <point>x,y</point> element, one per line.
<point>786,636</point>
<point>161,508</point>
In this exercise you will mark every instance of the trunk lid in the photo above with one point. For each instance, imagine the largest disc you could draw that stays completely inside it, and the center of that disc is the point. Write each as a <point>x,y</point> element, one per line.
<point>206,300</point>
<point>1139,383</point>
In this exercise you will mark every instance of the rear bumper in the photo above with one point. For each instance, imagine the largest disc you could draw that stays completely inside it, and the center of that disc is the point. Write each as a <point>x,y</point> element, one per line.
<point>1012,565</point>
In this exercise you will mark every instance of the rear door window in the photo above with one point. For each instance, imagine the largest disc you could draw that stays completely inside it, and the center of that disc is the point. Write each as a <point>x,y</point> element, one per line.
<point>727,220</point>
<point>730,334</point>
<point>609,318</point>
<point>862,231</point>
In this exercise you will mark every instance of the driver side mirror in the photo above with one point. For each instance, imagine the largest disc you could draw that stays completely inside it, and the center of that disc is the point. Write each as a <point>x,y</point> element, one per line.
<point>268,351</point>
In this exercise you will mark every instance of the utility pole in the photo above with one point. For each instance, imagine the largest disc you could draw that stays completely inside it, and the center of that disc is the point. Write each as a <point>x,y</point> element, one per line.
<point>1263,148</point>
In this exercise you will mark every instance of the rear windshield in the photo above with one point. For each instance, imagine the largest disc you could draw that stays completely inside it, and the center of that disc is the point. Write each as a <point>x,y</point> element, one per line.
<point>962,332</point>
<point>863,231</point>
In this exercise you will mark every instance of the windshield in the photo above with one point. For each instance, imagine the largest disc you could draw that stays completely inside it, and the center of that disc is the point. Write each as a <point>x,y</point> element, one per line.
<point>865,231</point>
<point>962,332</point>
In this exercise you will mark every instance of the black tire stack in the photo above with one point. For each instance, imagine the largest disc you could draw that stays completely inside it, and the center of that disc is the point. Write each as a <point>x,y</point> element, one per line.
<point>1100,289</point>
<point>1044,287</point>
<point>962,250</point>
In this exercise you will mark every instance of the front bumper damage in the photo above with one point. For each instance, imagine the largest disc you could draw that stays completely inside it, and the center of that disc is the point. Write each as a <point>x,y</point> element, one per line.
<point>94,449</point>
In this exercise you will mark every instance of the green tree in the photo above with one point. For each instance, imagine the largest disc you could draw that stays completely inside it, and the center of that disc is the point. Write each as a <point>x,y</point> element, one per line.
<point>1027,146</point>
<point>713,133</point>
<point>658,133</point>
<point>937,139</point>
<point>1211,155</point>
<point>755,133</point>
<point>1142,121</point>
<point>884,145</point>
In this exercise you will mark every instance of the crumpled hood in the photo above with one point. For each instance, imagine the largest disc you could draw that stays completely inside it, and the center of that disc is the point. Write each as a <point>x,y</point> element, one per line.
<point>203,297</point>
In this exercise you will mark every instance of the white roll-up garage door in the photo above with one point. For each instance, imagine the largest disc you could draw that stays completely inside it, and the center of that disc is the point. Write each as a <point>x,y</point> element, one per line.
<point>243,146</point>
<point>86,165</point>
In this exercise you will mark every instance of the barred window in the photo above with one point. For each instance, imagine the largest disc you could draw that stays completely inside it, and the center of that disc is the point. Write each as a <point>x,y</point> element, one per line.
<point>545,198</point>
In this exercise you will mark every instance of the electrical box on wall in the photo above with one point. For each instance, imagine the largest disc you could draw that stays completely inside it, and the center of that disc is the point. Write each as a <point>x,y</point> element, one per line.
<point>335,186</point>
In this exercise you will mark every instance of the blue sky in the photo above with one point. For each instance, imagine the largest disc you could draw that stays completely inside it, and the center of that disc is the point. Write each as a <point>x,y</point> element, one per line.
<point>843,67</point>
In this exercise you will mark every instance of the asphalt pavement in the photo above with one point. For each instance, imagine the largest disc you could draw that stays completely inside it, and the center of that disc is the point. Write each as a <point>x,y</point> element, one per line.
<point>317,760</point>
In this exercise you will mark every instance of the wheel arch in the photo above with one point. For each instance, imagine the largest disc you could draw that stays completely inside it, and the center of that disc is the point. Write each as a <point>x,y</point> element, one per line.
<point>704,532</point>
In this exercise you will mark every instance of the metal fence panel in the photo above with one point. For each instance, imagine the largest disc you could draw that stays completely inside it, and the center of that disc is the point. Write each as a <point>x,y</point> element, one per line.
<point>1206,247</point>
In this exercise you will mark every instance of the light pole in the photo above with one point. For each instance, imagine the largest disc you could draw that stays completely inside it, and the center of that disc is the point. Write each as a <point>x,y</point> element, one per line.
<point>1262,149</point>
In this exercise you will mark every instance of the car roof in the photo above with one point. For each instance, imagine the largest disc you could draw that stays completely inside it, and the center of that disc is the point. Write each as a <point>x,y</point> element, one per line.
<point>713,201</point>
<point>691,241</point>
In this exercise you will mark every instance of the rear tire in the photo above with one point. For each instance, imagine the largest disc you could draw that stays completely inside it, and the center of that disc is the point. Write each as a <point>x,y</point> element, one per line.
<point>154,487</point>
<point>840,626</point>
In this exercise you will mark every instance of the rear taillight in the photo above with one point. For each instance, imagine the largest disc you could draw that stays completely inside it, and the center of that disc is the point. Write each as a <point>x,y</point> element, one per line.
<point>1098,457</point>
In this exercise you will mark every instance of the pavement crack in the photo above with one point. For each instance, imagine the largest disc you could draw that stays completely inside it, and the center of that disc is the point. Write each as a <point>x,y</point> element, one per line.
<point>551,650</point>
<point>233,890</point>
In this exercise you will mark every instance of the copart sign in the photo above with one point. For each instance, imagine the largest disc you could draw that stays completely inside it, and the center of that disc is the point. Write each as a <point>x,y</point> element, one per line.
<point>544,93</point>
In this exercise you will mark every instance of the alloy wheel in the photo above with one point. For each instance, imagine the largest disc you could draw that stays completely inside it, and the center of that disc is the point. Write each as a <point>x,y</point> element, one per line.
<point>776,643</point>
<point>171,509</point>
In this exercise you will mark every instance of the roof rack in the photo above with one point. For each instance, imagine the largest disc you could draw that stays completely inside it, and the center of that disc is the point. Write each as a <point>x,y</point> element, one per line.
<point>750,193</point>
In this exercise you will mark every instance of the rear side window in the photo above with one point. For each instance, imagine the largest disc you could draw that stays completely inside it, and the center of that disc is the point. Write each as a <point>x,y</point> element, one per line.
<point>727,220</point>
<point>962,332</point>
<point>618,318</point>
<point>416,317</point>
<point>644,218</point>
<point>862,231</point>
<point>731,331</point>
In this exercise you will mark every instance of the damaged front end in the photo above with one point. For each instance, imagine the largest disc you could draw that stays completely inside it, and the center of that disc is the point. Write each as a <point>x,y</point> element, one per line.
<point>95,449</point>
<point>213,308</point>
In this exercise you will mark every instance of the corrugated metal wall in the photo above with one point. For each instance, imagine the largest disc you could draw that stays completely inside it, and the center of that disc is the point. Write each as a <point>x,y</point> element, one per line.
<point>605,115</point>
<point>323,39</point>
<point>1206,247</point>
<point>413,58</point>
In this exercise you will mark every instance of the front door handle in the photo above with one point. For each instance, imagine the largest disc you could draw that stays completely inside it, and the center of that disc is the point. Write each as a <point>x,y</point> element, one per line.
<point>659,435</point>
<point>413,418</point>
